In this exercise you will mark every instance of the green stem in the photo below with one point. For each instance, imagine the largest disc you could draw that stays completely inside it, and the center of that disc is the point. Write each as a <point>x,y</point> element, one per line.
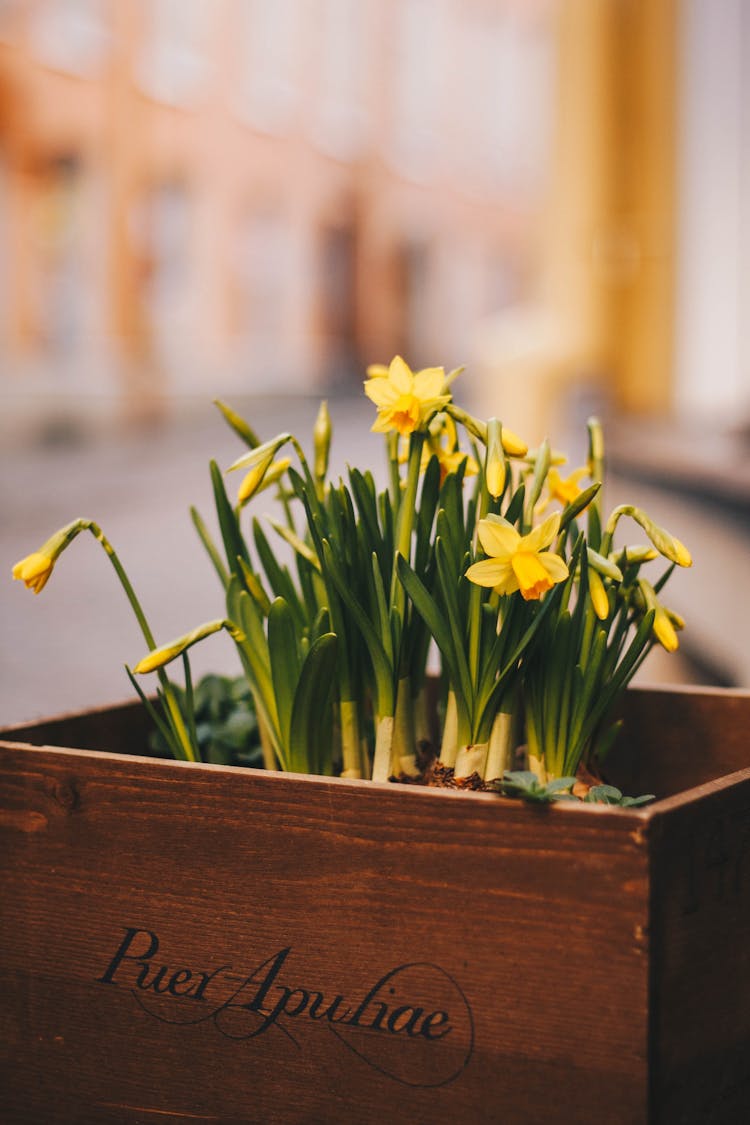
<point>351,740</point>
<point>408,506</point>
<point>472,758</point>
<point>381,765</point>
<point>449,744</point>
<point>184,744</point>
<point>501,746</point>
<point>404,528</point>
<point>403,747</point>
<point>395,476</point>
<point>475,605</point>
<point>266,745</point>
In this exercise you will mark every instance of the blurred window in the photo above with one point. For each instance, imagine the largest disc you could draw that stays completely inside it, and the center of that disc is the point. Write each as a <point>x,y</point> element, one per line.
<point>9,10</point>
<point>413,284</point>
<point>264,264</point>
<point>508,101</point>
<point>72,35</point>
<point>341,125</point>
<point>58,243</point>
<point>173,66</point>
<point>337,297</point>
<point>417,85</point>
<point>162,231</point>
<point>270,38</point>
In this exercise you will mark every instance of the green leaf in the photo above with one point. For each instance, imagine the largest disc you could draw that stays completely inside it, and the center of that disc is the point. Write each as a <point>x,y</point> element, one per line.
<point>541,468</point>
<point>363,487</point>
<point>297,545</point>
<point>254,588</point>
<point>594,527</point>
<point>160,722</point>
<point>453,656</point>
<point>426,515</point>
<point>449,578</point>
<point>234,543</point>
<point>311,707</point>
<point>514,511</point>
<point>575,507</point>
<point>634,802</point>
<point>525,784</point>
<point>381,664</point>
<point>284,659</point>
<point>210,546</point>
<point>278,577</point>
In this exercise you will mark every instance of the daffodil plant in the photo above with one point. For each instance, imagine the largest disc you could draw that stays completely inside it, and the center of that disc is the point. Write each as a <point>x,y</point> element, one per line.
<point>475,553</point>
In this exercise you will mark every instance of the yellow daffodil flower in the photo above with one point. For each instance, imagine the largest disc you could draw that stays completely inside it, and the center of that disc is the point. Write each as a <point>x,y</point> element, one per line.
<point>450,457</point>
<point>406,400</point>
<point>452,462</point>
<point>518,562</point>
<point>34,570</point>
<point>563,489</point>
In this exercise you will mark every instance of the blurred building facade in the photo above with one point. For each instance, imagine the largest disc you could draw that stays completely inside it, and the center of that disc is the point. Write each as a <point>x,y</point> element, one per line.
<point>267,194</point>
<point>200,194</point>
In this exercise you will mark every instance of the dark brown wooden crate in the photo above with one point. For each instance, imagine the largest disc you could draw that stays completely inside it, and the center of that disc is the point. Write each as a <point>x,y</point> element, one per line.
<point>566,964</point>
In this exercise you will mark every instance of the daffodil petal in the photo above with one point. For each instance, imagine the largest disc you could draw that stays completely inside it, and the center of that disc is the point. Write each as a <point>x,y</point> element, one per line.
<point>34,570</point>
<point>489,572</point>
<point>541,536</point>
<point>429,383</point>
<point>556,567</point>
<point>400,376</point>
<point>382,424</point>
<point>508,585</point>
<point>499,540</point>
<point>381,391</point>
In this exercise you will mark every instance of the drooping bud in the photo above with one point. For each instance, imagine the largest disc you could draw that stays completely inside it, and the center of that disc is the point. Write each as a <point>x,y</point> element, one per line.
<point>513,445</point>
<point>666,543</point>
<point>664,621</point>
<point>35,569</point>
<point>165,654</point>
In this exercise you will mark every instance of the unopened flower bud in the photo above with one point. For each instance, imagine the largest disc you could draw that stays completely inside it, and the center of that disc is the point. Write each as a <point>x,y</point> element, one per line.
<point>495,460</point>
<point>322,441</point>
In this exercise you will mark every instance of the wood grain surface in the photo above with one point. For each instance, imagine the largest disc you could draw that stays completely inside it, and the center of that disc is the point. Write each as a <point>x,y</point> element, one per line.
<point>183,943</point>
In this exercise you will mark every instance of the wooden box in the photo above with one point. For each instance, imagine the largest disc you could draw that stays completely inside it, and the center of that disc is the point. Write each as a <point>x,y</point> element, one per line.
<point>184,943</point>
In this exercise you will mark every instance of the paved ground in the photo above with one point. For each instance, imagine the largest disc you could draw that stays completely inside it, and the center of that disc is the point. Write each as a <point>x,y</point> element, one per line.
<point>65,649</point>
